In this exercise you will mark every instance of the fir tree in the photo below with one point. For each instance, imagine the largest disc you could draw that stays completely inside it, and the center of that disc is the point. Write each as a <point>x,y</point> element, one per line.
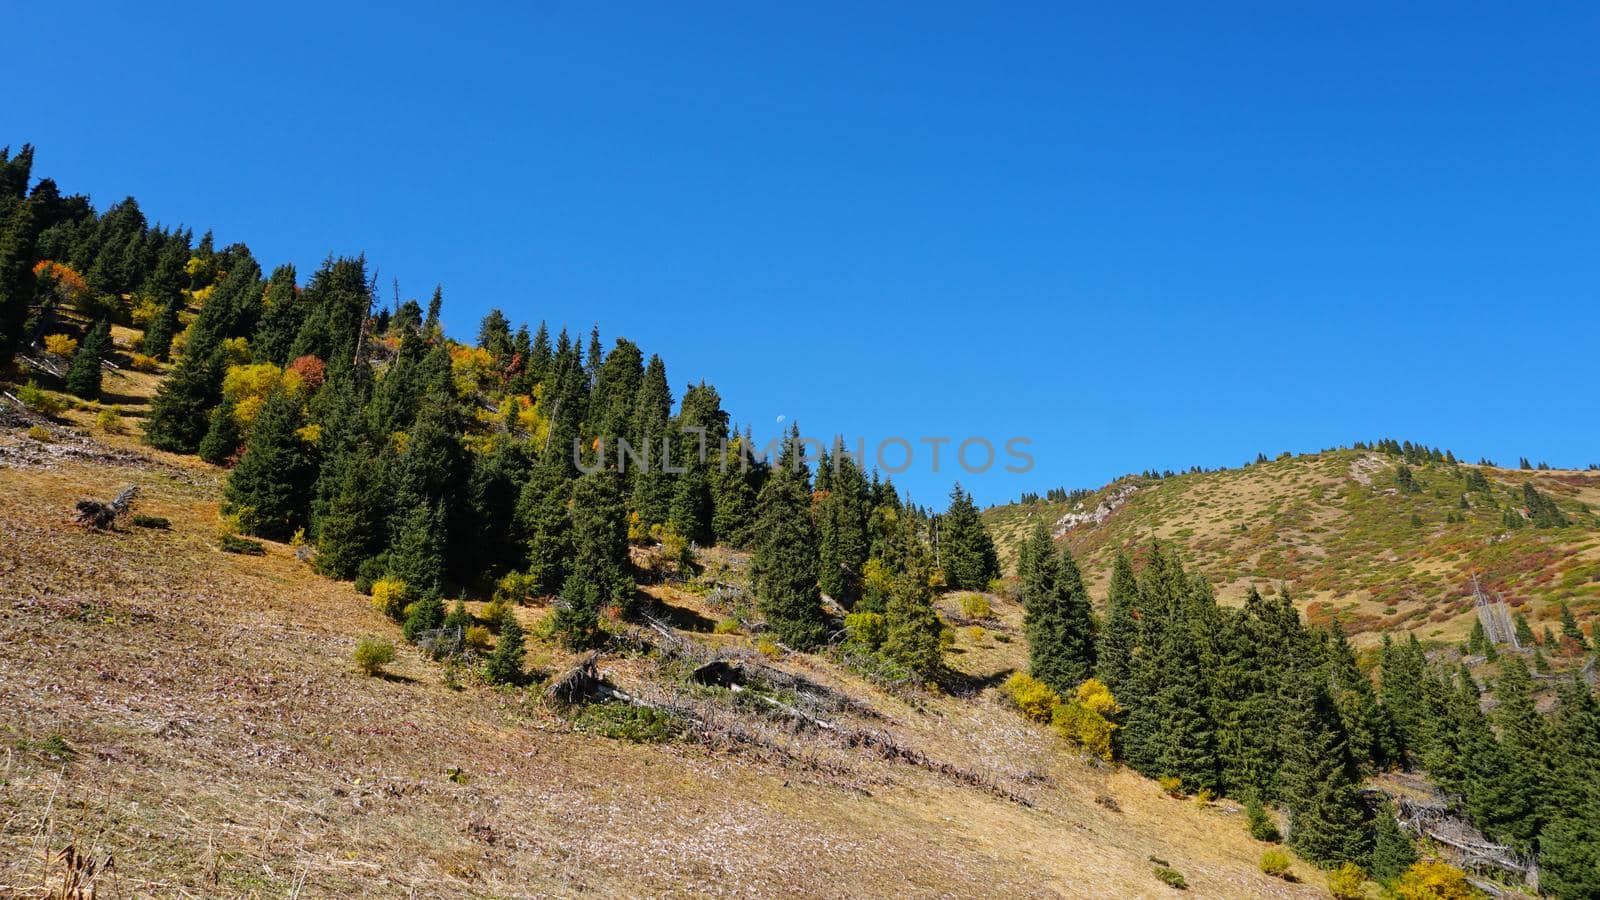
<point>19,233</point>
<point>733,498</point>
<point>842,532</point>
<point>345,534</point>
<point>966,552</point>
<point>1525,632</point>
<point>159,333</point>
<point>504,665</point>
<point>270,488</point>
<point>913,628</point>
<point>415,554</point>
<point>599,568</point>
<point>425,615</point>
<point>180,411</point>
<point>1120,637</point>
<point>1392,850</point>
<point>1056,615</point>
<point>784,569</point>
<point>222,437</point>
<point>541,517</point>
<point>83,373</point>
<point>652,485</point>
<point>1570,629</point>
<point>1326,819</point>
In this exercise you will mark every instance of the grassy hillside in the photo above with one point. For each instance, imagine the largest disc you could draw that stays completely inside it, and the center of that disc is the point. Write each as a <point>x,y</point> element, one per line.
<point>196,716</point>
<point>1339,531</point>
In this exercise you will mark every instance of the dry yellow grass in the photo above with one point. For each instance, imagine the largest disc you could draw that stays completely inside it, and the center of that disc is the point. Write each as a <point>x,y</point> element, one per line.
<point>196,716</point>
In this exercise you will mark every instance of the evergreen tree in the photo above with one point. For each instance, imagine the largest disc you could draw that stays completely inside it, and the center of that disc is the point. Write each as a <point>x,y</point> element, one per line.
<point>1120,637</point>
<point>1526,741</point>
<point>913,627</point>
<point>842,532</point>
<point>1570,629</point>
<point>1525,635</point>
<point>159,332</point>
<point>425,615</point>
<point>1326,818</point>
<point>966,552</point>
<point>222,437</point>
<point>599,569</point>
<point>691,510</point>
<point>270,488</point>
<point>652,485</point>
<point>345,534</point>
<point>504,665</point>
<point>1392,850</point>
<point>784,569</point>
<point>283,316</point>
<point>19,234</point>
<point>415,553</point>
<point>1569,845</point>
<point>1056,615</point>
<point>83,373</point>
<point>541,517</point>
<point>1368,731</point>
<point>733,498</point>
<point>180,411</point>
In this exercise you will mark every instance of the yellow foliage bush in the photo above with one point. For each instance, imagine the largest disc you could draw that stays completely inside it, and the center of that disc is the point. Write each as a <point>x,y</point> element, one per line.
<point>236,351</point>
<point>478,638</point>
<point>975,606</point>
<point>1275,863</point>
<point>869,629</point>
<point>247,386</point>
<point>389,596</point>
<point>41,434</point>
<point>109,421</point>
<point>1032,697</point>
<point>1097,697</point>
<point>139,362</point>
<point>311,434</point>
<point>1171,785</point>
<point>61,344</point>
<point>1348,882</point>
<point>768,647</point>
<point>1429,880</point>
<point>144,309</point>
<point>1085,727</point>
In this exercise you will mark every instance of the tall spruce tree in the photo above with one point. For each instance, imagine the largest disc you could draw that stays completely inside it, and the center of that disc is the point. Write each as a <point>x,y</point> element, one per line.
<point>180,411</point>
<point>19,234</point>
<point>912,626</point>
<point>599,568</point>
<point>1056,615</point>
<point>270,488</point>
<point>541,517</point>
<point>1120,636</point>
<point>966,552</point>
<point>784,569</point>
<point>159,332</point>
<point>223,436</point>
<point>652,484</point>
<point>1327,821</point>
<point>842,531</point>
<point>83,373</point>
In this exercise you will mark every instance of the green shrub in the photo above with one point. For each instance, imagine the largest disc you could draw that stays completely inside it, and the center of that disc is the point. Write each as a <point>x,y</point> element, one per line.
<point>976,606</point>
<point>1260,822</point>
<point>109,421</point>
<point>1172,878</point>
<point>143,521</point>
<point>232,543</point>
<point>37,400</point>
<point>626,722</point>
<point>868,629</point>
<point>725,626</point>
<point>372,654</point>
<point>1275,863</point>
<point>1032,697</point>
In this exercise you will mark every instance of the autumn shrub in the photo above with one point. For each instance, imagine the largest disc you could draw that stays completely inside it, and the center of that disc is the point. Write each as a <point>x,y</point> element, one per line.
<point>1431,880</point>
<point>1348,882</point>
<point>139,362</point>
<point>867,629</point>
<point>726,626</point>
<point>41,434</point>
<point>769,648</point>
<point>389,596</point>
<point>1275,863</point>
<point>372,654</point>
<point>309,371</point>
<point>37,400</point>
<point>144,309</point>
<point>1032,697</point>
<point>61,344</point>
<point>109,421</point>
<point>478,639</point>
<point>1171,785</point>
<point>975,606</point>
<point>1085,719</point>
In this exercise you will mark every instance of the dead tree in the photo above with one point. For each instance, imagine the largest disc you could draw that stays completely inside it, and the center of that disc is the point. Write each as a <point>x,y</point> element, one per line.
<point>101,516</point>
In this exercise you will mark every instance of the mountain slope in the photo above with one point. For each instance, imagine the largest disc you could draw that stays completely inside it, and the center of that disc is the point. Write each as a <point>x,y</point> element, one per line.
<point>195,715</point>
<point>1340,531</point>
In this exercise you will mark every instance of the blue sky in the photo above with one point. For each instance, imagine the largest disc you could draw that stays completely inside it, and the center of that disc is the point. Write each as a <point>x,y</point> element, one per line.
<point>1147,236</point>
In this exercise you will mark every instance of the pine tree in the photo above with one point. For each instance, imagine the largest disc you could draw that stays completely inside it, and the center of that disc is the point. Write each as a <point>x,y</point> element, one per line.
<point>1526,741</point>
<point>784,569</point>
<point>1570,629</point>
<point>346,536</point>
<point>1056,615</point>
<point>180,411</point>
<point>415,554</point>
<point>1187,739</point>
<point>1392,850</point>
<point>652,485</point>
<point>1120,637</point>
<point>222,437</point>
<point>504,665</point>
<point>966,552</point>
<point>1367,729</point>
<point>1326,818</point>
<point>691,510</point>
<point>83,373</point>
<point>913,627</point>
<point>599,569</point>
<point>159,333</point>
<point>19,234</point>
<point>270,488</point>
<point>733,498</point>
<point>1403,669</point>
<point>1525,632</point>
<point>842,532</point>
<point>1569,845</point>
<point>541,517</point>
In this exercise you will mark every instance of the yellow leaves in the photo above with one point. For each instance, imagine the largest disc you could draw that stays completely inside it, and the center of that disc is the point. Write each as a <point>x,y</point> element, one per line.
<point>310,434</point>
<point>202,295</point>
<point>1033,698</point>
<point>249,386</point>
<point>236,351</point>
<point>194,266</point>
<point>399,441</point>
<point>1348,882</point>
<point>60,344</point>
<point>144,309</point>
<point>1430,880</point>
<point>389,596</point>
<point>139,362</point>
<point>1096,697</point>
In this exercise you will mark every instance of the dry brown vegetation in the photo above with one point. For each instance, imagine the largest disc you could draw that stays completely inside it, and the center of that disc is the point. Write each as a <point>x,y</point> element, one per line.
<point>196,717</point>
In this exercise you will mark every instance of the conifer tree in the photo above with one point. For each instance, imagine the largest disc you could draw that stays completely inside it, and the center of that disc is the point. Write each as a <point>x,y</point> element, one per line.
<point>599,567</point>
<point>1392,850</point>
<point>733,498</point>
<point>83,373</point>
<point>281,320</point>
<point>425,615</point>
<point>1326,819</point>
<point>842,531</point>
<point>1525,741</point>
<point>1569,845</point>
<point>270,488</point>
<point>913,627</point>
<point>1056,615</point>
<point>415,553</point>
<point>222,437</point>
<point>159,333</point>
<point>19,234</point>
<point>180,411</point>
<point>1570,629</point>
<point>542,518</point>
<point>504,665</point>
<point>1368,732</point>
<point>652,485</point>
<point>966,552</point>
<point>784,569</point>
<point>1525,632</point>
<point>1120,636</point>
<point>691,511</point>
<point>345,534</point>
